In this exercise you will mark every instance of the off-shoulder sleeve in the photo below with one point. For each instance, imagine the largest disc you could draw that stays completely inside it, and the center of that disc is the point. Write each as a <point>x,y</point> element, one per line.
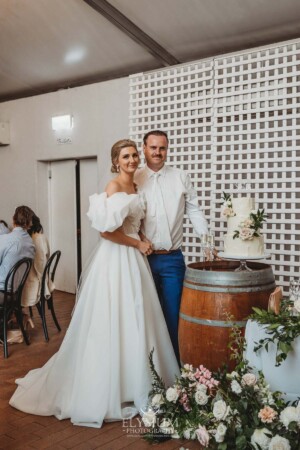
<point>108,213</point>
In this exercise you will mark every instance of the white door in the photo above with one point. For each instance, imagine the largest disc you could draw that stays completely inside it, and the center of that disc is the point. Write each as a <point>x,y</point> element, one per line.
<point>88,186</point>
<point>62,203</point>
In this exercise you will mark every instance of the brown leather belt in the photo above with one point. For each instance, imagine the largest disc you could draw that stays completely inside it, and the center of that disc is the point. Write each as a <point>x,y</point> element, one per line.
<point>164,252</point>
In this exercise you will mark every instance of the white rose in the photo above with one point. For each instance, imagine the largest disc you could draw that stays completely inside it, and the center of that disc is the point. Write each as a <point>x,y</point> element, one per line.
<point>297,305</point>
<point>175,435</point>
<point>289,414</point>
<point>232,375</point>
<point>249,379</point>
<point>219,438</point>
<point>149,419</point>
<point>201,387</point>
<point>172,395</point>
<point>260,438</point>
<point>247,223</point>
<point>201,398</point>
<point>220,410</point>
<point>228,211</point>
<point>189,433</point>
<point>203,436</point>
<point>157,400</point>
<point>279,443</point>
<point>220,432</point>
<point>166,427</point>
<point>236,387</point>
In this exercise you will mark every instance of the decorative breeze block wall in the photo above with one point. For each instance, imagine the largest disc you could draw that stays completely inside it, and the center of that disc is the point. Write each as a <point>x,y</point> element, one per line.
<point>234,124</point>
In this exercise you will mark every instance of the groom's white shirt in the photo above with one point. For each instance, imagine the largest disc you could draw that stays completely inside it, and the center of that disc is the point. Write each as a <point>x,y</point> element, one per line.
<point>179,197</point>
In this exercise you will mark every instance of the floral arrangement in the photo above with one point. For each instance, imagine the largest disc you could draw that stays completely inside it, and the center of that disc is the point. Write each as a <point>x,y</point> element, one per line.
<point>227,210</point>
<point>249,228</point>
<point>228,411</point>
<point>281,329</point>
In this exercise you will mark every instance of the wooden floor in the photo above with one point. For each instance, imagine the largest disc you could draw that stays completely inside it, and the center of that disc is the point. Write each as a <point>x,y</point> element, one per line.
<point>25,431</point>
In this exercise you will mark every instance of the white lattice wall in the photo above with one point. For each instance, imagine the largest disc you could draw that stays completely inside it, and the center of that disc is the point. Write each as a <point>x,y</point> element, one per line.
<point>233,120</point>
<point>179,101</point>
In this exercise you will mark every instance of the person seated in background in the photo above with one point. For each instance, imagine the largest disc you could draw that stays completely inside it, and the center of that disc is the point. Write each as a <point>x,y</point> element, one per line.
<point>4,227</point>
<point>15,245</point>
<point>32,288</point>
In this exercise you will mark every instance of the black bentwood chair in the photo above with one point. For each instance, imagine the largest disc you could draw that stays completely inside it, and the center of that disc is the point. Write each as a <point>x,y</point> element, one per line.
<point>48,275</point>
<point>12,295</point>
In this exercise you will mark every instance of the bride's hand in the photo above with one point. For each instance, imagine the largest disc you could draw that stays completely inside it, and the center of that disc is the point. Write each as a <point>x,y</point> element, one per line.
<point>145,247</point>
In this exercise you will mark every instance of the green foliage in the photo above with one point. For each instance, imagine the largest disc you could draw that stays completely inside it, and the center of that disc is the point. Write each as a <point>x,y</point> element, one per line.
<point>256,223</point>
<point>226,197</point>
<point>236,344</point>
<point>281,329</point>
<point>236,234</point>
<point>233,402</point>
<point>258,220</point>
<point>158,385</point>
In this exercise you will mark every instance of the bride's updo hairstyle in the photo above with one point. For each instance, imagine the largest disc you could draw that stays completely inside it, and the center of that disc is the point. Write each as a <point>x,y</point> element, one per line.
<point>116,150</point>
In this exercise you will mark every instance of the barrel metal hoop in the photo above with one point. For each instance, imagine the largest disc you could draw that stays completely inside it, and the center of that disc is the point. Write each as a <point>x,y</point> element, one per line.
<point>259,277</point>
<point>234,283</point>
<point>213,323</point>
<point>229,289</point>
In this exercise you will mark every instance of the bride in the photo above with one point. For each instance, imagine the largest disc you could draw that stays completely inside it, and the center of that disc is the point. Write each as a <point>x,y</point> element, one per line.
<point>101,370</point>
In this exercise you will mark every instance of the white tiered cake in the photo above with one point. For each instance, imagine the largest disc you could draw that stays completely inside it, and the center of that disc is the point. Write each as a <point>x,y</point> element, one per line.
<point>241,239</point>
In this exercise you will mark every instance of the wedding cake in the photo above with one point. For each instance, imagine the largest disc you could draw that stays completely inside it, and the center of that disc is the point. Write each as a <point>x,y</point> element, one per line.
<point>244,223</point>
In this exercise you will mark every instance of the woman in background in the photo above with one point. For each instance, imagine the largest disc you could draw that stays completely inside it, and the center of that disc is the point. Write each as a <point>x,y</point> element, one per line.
<point>32,288</point>
<point>4,227</point>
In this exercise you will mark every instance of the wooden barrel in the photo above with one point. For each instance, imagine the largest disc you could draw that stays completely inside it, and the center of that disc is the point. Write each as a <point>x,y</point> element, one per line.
<point>211,292</point>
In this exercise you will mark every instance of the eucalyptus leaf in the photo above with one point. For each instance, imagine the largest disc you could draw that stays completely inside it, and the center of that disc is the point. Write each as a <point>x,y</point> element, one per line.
<point>222,446</point>
<point>241,442</point>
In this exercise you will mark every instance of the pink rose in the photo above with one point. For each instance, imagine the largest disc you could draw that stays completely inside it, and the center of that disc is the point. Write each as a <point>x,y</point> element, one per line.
<point>267,414</point>
<point>249,379</point>
<point>246,233</point>
<point>203,436</point>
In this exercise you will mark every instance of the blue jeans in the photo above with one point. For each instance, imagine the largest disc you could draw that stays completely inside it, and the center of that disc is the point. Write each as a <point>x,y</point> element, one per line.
<point>168,273</point>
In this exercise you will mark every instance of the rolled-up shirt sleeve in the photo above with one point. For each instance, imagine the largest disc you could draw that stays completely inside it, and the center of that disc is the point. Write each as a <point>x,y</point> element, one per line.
<point>192,208</point>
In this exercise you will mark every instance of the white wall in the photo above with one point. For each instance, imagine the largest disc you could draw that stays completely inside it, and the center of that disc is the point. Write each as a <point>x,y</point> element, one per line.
<point>100,114</point>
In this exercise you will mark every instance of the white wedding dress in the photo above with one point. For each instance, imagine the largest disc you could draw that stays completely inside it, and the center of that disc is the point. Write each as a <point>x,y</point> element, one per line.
<point>102,363</point>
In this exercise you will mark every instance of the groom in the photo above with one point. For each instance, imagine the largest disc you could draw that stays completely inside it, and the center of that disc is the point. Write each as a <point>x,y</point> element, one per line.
<point>169,195</point>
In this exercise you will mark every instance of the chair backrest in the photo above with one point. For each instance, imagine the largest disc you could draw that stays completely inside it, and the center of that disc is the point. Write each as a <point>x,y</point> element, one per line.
<point>16,278</point>
<point>50,269</point>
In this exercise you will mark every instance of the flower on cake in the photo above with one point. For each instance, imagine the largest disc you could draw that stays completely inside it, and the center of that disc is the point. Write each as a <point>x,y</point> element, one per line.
<point>227,210</point>
<point>250,227</point>
<point>246,234</point>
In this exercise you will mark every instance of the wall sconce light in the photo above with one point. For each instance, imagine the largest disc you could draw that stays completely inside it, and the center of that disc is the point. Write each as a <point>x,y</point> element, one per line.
<point>64,122</point>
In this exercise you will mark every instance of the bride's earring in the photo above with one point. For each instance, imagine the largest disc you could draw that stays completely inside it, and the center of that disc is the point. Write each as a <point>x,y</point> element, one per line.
<point>118,168</point>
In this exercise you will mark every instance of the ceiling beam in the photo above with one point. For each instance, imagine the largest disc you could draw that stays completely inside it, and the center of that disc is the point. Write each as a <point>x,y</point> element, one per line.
<point>130,29</point>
